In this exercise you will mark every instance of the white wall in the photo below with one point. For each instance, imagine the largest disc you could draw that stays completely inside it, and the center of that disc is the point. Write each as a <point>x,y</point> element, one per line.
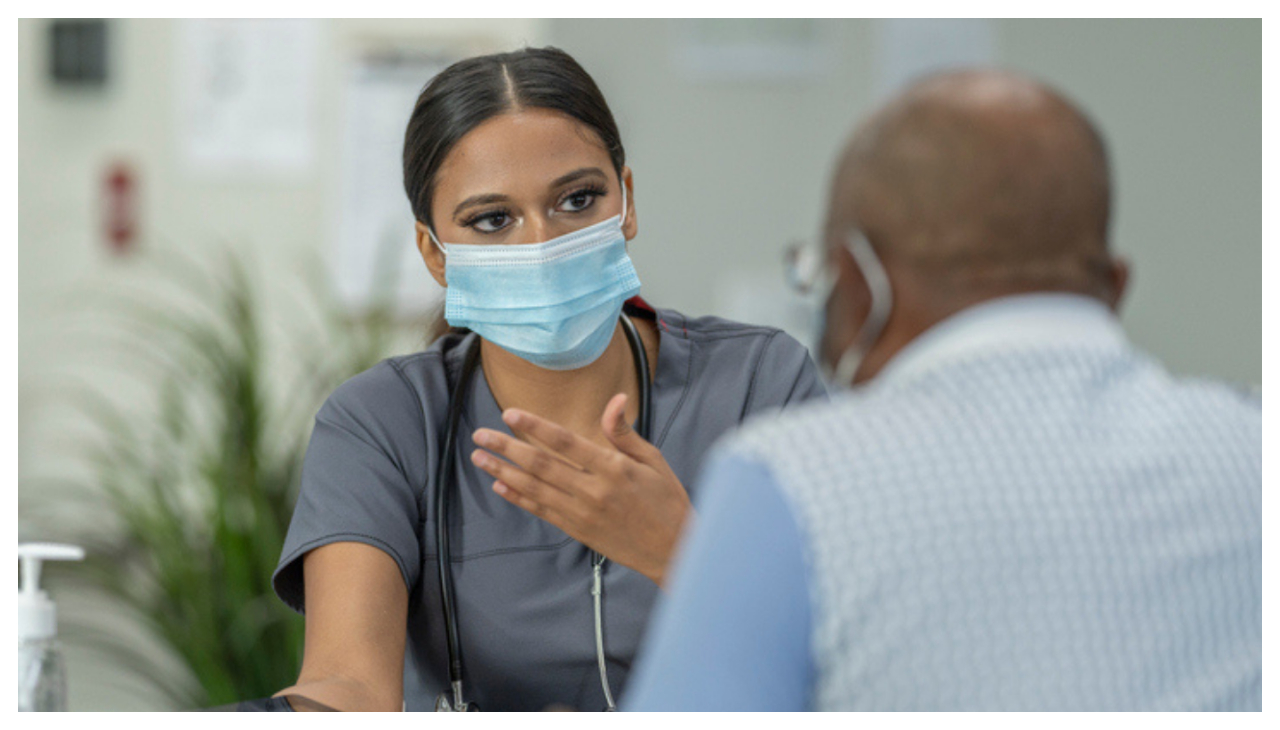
<point>1180,103</point>
<point>66,139</point>
<point>727,172</point>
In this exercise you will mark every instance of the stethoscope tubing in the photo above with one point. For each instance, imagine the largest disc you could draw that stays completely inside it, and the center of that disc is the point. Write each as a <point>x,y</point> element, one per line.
<point>457,399</point>
<point>442,520</point>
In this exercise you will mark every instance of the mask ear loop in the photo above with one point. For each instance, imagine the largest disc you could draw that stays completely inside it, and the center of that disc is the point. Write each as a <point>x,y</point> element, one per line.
<point>878,315</point>
<point>436,241</point>
<point>622,219</point>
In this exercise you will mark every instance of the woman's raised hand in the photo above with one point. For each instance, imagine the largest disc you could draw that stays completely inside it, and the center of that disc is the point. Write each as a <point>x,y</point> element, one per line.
<point>624,502</point>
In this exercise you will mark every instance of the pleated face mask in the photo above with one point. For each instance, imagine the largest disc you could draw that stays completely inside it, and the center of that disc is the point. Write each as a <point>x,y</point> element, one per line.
<point>554,304</point>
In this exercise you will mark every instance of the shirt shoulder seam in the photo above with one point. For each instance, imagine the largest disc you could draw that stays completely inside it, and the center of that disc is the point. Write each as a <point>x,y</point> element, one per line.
<point>728,333</point>
<point>755,375</point>
<point>684,395</point>
<point>334,424</point>
<point>421,497</point>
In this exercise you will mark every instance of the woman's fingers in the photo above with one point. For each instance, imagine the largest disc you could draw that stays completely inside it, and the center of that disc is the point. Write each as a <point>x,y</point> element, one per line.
<point>556,438</point>
<point>622,499</point>
<point>532,459</point>
<point>533,507</point>
<point>538,497</point>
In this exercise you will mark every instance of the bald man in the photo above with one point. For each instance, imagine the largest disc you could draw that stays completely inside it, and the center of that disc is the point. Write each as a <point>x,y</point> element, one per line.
<point>1012,508</point>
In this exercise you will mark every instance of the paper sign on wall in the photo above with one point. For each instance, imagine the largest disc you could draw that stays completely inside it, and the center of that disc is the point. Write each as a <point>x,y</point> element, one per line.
<point>246,92</point>
<point>375,257</point>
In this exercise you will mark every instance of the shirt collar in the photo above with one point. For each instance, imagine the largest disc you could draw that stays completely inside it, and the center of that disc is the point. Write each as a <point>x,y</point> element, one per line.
<point>1024,320</point>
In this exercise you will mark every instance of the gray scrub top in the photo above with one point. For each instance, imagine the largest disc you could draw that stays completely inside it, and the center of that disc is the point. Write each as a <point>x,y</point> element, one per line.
<point>524,607</point>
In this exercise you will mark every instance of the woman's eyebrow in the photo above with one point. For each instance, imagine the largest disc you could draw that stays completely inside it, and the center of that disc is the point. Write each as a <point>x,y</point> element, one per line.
<point>577,174</point>
<point>474,200</point>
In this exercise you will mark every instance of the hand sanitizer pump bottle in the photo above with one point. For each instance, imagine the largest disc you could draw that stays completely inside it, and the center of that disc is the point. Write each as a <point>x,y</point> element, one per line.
<point>42,680</point>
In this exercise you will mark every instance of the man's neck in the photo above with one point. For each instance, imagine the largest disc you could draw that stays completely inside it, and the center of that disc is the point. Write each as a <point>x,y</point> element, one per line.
<point>906,326</point>
<point>898,332</point>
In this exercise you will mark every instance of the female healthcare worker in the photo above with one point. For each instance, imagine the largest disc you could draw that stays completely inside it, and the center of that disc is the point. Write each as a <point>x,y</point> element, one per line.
<point>505,453</point>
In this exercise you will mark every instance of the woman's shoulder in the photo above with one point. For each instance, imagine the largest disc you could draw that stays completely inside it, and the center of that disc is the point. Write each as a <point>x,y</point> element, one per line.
<point>398,388</point>
<point>711,329</point>
<point>767,364</point>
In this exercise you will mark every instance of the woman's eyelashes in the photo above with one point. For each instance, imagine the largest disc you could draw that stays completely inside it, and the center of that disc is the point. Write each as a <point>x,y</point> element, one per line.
<point>489,221</point>
<point>494,220</point>
<point>581,199</point>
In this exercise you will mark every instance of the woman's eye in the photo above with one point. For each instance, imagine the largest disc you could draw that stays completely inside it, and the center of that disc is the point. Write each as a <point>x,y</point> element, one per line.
<point>579,201</point>
<point>490,222</point>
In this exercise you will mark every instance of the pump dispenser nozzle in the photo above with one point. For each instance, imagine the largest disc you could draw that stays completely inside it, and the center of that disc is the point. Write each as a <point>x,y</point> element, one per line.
<point>37,617</point>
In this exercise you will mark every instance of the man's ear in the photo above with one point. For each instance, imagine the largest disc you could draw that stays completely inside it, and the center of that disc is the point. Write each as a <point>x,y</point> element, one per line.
<point>629,225</point>
<point>1118,282</point>
<point>432,256</point>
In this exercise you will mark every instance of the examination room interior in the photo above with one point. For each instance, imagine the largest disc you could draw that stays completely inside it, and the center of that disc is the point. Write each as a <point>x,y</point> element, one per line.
<point>198,199</point>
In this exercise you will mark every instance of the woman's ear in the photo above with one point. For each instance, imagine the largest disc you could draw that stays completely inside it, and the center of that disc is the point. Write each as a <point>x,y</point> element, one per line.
<point>432,256</point>
<point>629,225</point>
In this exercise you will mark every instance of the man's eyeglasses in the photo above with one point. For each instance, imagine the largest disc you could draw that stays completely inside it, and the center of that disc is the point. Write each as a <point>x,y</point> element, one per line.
<point>808,267</point>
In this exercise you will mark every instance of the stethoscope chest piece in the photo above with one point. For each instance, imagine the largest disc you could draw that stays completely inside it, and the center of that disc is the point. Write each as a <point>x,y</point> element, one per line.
<point>444,705</point>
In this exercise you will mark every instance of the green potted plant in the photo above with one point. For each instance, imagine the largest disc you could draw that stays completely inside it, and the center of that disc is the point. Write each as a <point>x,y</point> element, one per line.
<point>198,482</point>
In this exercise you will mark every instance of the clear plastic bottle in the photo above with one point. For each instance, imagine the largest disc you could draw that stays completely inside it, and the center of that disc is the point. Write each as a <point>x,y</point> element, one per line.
<point>42,677</point>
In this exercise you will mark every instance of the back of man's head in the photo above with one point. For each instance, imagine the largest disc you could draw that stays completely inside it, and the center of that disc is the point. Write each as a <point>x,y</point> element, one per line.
<point>981,183</point>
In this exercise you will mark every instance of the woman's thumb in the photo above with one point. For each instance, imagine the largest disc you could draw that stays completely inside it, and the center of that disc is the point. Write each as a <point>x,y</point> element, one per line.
<point>614,421</point>
<point>619,431</point>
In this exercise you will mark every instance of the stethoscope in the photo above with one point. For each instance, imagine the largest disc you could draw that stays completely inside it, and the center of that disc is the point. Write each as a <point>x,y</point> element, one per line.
<point>456,402</point>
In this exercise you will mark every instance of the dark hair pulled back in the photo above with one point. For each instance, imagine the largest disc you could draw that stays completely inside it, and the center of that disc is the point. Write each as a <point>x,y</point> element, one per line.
<point>474,90</point>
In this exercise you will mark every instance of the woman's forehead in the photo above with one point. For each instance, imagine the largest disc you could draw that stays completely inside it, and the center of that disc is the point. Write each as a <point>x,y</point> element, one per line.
<point>527,148</point>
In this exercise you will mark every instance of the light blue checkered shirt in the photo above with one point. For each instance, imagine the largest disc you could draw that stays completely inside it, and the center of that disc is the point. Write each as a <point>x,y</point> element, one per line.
<point>1021,512</point>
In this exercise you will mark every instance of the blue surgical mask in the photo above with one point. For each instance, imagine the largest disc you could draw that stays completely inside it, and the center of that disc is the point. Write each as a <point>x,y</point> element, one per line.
<point>554,304</point>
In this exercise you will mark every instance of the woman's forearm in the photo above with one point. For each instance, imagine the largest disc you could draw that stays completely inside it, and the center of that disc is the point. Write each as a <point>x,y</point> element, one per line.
<point>346,694</point>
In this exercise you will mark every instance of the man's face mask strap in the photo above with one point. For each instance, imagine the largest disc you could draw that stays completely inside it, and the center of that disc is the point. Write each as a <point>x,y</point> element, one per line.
<point>881,293</point>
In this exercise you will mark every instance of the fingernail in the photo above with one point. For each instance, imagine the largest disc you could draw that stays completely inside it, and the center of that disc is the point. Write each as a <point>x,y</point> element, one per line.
<point>479,458</point>
<point>483,438</point>
<point>511,417</point>
<point>499,487</point>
